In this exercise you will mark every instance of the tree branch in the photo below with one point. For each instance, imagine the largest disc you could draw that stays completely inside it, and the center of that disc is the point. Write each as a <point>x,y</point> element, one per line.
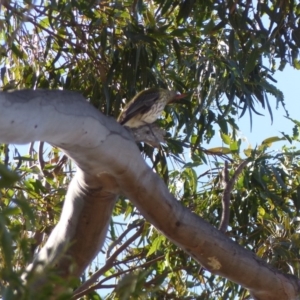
<point>228,186</point>
<point>109,163</point>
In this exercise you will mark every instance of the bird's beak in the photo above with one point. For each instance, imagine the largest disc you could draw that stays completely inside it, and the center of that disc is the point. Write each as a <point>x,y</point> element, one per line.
<point>178,97</point>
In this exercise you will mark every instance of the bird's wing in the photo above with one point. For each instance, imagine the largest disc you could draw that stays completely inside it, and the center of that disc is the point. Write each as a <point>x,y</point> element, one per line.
<point>141,104</point>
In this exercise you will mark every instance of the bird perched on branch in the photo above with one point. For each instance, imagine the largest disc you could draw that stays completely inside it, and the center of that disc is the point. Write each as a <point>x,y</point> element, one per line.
<point>147,106</point>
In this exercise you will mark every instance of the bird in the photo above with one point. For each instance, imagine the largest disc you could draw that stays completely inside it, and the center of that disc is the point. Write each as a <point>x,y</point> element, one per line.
<point>147,106</point>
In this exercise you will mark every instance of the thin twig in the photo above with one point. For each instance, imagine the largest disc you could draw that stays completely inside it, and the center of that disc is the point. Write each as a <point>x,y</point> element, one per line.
<point>60,164</point>
<point>118,274</point>
<point>119,239</point>
<point>41,157</point>
<point>86,286</point>
<point>228,186</point>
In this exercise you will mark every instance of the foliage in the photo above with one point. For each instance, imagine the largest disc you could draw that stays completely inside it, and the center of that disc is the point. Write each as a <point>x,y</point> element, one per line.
<point>224,53</point>
<point>29,209</point>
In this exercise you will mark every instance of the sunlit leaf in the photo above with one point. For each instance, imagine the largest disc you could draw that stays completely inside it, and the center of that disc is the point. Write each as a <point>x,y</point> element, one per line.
<point>226,138</point>
<point>273,139</point>
<point>218,150</point>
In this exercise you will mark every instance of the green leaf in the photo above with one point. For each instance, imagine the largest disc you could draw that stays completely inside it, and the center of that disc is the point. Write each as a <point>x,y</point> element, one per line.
<point>272,139</point>
<point>251,62</point>
<point>155,245</point>
<point>234,146</point>
<point>94,296</point>
<point>176,47</point>
<point>226,138</point>
<point>248,152</point>
<point>18,52</point>
<point>219,150</point>
<point>278,178</point>
<point>7,177</point>
<point>192,179</point>
<point>44,22</point>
